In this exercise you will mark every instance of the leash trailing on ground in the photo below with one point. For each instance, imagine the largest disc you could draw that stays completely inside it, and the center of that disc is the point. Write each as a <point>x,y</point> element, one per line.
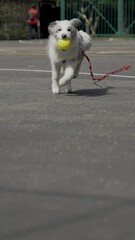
<point>96,79</point>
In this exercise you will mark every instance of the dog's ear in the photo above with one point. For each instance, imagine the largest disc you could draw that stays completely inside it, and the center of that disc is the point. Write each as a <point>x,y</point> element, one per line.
<point>76,22</point>
<point>51,26</point>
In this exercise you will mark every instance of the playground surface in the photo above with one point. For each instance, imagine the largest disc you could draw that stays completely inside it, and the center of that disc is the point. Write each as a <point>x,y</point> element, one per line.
<point>67,161</point>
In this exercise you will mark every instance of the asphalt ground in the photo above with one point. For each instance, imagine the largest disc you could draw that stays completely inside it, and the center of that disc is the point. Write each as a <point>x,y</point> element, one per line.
<point>67,161</point>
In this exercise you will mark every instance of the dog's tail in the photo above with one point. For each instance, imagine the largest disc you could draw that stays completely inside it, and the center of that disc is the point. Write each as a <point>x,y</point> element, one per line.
<point>85,41</point>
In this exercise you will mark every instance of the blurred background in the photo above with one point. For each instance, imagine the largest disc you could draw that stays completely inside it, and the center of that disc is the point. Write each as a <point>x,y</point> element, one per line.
<point>99,17</point>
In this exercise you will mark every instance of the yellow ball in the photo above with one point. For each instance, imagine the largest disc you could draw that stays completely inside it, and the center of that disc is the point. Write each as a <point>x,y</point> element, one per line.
<point>64,44</point>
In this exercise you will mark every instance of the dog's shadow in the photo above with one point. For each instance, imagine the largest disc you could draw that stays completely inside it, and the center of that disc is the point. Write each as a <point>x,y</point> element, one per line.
<point>96,92</point>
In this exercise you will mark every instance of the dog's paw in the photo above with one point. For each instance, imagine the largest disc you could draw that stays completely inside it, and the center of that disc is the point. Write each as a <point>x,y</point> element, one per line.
<point>62,82</point>
<point>55,90</point>
<point>68,91</point>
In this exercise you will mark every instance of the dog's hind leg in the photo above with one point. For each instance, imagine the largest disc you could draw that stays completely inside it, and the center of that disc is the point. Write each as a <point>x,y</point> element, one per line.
<point>55,77</point>
<point>76,73</point>
<point>68,87</point>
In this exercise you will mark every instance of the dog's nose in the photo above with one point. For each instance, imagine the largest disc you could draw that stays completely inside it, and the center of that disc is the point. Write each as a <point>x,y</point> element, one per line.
<point>64,35</point>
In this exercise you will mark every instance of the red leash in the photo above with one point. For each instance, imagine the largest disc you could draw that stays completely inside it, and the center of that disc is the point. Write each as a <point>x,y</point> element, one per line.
<point>126,67</point>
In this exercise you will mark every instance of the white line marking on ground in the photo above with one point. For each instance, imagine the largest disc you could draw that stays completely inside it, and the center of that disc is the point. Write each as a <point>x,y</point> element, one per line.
<point>24,70</point>
<point>49,71</point>
<point>115,52</point>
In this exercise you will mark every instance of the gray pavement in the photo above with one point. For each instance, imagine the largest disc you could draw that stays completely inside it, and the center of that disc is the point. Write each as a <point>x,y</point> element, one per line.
<point>67,162</point>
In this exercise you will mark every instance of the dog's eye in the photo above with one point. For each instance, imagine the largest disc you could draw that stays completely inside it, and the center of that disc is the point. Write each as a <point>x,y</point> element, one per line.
<point>59,29</point>
<point>69,30</point>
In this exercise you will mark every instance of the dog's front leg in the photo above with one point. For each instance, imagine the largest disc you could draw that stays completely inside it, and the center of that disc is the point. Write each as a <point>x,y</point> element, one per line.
<point>55,77</point>
<point>68,74</point>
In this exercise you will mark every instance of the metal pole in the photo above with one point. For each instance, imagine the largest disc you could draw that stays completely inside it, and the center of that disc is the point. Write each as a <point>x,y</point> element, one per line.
<point>62,12</point>
<point>120,18</point>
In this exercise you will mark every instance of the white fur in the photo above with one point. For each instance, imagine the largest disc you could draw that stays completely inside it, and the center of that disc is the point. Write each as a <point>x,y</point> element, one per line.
<point>71,59</point>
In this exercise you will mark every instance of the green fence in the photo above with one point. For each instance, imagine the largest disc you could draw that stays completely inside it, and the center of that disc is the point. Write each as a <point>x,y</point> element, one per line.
<point>102,17</point>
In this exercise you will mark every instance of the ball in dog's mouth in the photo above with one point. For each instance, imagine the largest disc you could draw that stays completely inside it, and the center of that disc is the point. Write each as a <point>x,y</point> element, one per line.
<point>64,44</point>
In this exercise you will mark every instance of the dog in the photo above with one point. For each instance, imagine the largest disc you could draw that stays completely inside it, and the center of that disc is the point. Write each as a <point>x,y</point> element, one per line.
<point>69,60</point>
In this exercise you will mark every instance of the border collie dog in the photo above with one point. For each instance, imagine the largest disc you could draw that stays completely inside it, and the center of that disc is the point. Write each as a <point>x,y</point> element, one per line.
<point>68,60</point>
